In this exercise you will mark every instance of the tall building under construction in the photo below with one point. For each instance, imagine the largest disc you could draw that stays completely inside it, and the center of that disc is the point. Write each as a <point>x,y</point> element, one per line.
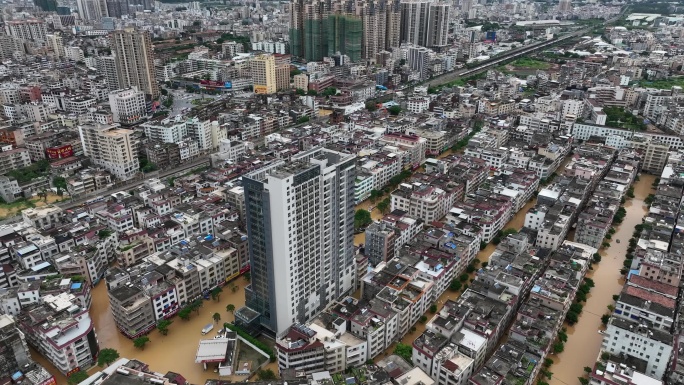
<point>359,29</point>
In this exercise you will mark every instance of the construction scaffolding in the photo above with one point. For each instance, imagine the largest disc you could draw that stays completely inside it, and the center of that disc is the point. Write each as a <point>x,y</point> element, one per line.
<point>345,34</point>
<point>315,39</point>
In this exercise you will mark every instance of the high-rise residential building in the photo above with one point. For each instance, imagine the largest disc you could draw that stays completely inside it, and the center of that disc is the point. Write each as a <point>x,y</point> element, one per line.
<point>358,30</point>
<point>110,147</point>
<point>381,23</point>
<point>91,9</point>
<point>414,19</point>
<point>308,27</point>
<point>135,61</point>
<point>117,8</point>
<point>46,5</point>
<point>424,22</point>
<point>418,60</point>
<point>263,72</point>
<point>11,47</point>
<point>345,33</point>
<point>438,25</point>
<point>282,72</point>
<point>300,222</point>
<point>106,65</point>
<point>55,42</point>
<point>29,29</point>
<point>466,5</point>
<point>128,106</point>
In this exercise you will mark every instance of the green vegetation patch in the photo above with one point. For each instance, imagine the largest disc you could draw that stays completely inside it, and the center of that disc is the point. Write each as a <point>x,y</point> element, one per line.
<point>525,62</point>
<point>618,117</point>
<point>663,83</point>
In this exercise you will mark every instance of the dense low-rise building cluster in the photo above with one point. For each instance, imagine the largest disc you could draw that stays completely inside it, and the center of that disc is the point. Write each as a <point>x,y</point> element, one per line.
<point>166,149</point>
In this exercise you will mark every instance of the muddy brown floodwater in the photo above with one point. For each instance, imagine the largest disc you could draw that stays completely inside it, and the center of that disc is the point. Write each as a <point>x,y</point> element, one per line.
<point>173,352</point>
<point>584,341</point>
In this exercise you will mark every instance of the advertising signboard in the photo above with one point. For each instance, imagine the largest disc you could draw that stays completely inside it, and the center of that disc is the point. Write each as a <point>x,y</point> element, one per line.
<point>60,152</point>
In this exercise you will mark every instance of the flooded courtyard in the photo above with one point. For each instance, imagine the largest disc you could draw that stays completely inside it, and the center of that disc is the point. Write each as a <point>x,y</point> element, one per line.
<point>584,340</point>
<point>173,352</point>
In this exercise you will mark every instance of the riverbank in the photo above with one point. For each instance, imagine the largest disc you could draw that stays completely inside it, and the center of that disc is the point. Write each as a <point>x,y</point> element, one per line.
<point>584,340</point>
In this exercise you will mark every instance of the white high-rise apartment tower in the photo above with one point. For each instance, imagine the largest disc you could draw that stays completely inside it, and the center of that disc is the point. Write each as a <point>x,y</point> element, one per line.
<point>300,224</point>
<point>110,147</point>
<point>424,22</point>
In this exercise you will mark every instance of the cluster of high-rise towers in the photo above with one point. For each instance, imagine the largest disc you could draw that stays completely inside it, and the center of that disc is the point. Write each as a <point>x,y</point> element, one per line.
<point>361,29</point>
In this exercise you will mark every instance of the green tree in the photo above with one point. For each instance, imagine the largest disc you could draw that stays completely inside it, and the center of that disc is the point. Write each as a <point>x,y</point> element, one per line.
<point>107,356</point>
<point>433,308</point>
<point>184,313</point>
<point>587,369</point>
<point>370,106</point>
<point>59,182</point>
<point>217,317</point>
<point>312,93</point>
<point>77,378</point>
<point>163,326</point>
<point>303,119</point>
<point>576,308</point>
<point>384,206</point>
<point>422,319</point>
<point>649,199</point>
<point>216,293</point>
<point>583,381</point>
<point>558,347</point>
<point>362,218</point>
<point>374,195</point>
<point>394,110</point>
<point>455,285</point>
<point>230,308</point>
<point>140,342</point>
<point>196,306</point>
<point>571,318</point>
<point>463,277</point>
<point>330,91</point>
<point>404,351</point>
<point>266,374</point>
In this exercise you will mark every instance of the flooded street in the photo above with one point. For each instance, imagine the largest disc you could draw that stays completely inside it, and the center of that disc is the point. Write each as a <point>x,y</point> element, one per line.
<point>516,222</point>
<point>375,214</point>
<point>584,341</point>
<point>173,352</point>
